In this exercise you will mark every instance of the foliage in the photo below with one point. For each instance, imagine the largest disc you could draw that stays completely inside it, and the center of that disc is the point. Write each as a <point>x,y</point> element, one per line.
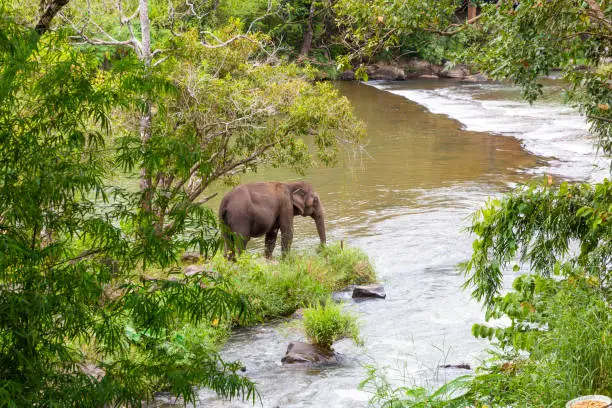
<point>454,394</point>
<point>277,289</point>
<point>543,224</point>
<point>58,299</point>
<point>373,27</point>
<point>528,41</point>
<point>325,323</point>
<point>207,106</point>
<point>565,329</point>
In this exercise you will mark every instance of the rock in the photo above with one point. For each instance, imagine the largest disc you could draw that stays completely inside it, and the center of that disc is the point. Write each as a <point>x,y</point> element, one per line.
<point>343,295</point>
<point>463,366</point>
<point>385,72</point>
<point>419,67</point>
<point>191,257</point>
<point>92,370</point>
<point>194,270</point>
<point>457,72</point>
<point>304,353</point>
<point>298,314</point>
<point>476,78</point>
<point>369,291</point>
<point>428,76</point>
<point>348,75</point>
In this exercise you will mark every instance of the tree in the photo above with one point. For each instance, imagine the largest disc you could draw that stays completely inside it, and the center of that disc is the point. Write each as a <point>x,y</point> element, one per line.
<point>528,41</point>
<point>211,105</point>
<point>68,294</point>
<point>380,26</point>
<point>82,323</point>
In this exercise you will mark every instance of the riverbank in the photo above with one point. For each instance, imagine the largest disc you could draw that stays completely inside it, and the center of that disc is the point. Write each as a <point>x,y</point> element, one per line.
<point>416,68</point>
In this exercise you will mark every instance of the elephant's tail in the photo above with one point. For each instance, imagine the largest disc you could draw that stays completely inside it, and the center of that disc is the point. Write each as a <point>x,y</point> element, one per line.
<point>223,217</point>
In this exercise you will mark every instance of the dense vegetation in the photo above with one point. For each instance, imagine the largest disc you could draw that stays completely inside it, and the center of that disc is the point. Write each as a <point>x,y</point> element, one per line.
<point>183,95</point>
<point>86,96</point>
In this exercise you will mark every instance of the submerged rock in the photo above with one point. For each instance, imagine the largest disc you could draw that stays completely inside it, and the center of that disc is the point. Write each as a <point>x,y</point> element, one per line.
<point>462,366</point>
<point>369,291</point>
<point>304,353</point>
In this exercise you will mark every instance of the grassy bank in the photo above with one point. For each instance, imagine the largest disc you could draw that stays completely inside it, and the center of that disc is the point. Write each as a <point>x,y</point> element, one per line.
<point>278,288</point>
<point>273,289</point>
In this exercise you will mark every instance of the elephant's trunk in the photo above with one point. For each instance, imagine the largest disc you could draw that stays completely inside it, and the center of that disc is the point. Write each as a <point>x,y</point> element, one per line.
<point>320,223</point>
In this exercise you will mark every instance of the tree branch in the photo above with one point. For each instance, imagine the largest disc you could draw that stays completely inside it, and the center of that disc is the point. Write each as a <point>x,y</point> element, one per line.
<point>50,11</point>
<point>456,31</point>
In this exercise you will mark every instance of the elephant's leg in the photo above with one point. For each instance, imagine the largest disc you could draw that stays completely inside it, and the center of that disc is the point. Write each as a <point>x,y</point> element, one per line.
<point>234,244</point>
<point>241,243</point>
<point>286,228</point>
<point>270,242</point>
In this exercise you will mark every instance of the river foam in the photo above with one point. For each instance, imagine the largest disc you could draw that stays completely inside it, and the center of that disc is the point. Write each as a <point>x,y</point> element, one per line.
<point>548,129</point>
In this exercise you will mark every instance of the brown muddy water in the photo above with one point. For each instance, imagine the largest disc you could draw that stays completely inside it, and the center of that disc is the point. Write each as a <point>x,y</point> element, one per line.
<point>405,199</point>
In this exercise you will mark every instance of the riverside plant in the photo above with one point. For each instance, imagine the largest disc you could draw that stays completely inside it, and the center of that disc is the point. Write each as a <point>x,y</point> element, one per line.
<point>326,323</point>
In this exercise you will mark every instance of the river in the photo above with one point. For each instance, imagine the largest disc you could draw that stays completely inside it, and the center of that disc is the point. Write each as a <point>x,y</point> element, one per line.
<point>435,150</point>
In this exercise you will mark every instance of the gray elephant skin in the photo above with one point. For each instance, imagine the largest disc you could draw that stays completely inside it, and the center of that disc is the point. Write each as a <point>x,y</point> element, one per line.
<point>256,209</point>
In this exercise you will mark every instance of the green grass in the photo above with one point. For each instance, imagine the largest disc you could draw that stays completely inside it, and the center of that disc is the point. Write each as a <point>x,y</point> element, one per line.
<point>326,323</point>
<point>278,288</point>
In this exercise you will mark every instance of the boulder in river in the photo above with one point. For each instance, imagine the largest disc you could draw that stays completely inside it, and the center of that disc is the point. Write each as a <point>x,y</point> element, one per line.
<point>305,353</point>
<point>385,72</point>
<point>369,291</point>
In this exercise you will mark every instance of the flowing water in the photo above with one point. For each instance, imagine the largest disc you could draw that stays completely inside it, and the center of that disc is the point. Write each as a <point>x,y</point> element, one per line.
<point>435,151</point>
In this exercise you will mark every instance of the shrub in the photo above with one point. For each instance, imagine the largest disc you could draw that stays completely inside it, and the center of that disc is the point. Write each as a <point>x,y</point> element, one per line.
<point>326,323</point>
<point>558,347</point>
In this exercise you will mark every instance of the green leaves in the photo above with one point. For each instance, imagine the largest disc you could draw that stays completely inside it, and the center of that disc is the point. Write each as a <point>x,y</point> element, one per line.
<point>326,323</point>
<point>538,224</point>
<point>70,244</point>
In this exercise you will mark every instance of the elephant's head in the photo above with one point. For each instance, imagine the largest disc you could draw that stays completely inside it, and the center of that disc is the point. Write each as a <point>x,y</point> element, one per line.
<point>307,204</point>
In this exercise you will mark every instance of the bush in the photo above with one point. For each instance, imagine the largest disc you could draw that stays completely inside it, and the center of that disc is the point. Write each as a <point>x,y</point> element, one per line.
<point>558,347</point>
<point>326,323</point>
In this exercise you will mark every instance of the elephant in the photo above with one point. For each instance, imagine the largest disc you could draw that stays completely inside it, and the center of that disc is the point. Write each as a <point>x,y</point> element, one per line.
<point>254,209</point>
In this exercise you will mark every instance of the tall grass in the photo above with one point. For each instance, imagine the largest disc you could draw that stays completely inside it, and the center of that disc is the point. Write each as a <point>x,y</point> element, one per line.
<point>326,323</point>
<point>278,288</point>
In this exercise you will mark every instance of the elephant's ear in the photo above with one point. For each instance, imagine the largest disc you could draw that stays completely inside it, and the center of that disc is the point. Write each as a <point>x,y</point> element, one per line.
<point>297,197</point>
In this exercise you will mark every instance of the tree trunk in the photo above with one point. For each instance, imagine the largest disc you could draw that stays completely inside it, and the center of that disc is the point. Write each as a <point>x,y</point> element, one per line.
<point>307,43</point>
<point>49,11</point>
<point>472,11</point>
<point>146,116</point>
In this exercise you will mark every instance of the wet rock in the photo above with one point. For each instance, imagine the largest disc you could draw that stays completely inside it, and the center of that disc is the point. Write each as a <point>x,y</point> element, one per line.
<point>457,72</point>
<point>369,291</point>
<point>463,366</point>
<point>304,353</point>
<point>191,257</point>
<point>429,76</point>
<point>385,72</point>
<point>476,78</point>
<point>298,314</point>
<point>348,75</point>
